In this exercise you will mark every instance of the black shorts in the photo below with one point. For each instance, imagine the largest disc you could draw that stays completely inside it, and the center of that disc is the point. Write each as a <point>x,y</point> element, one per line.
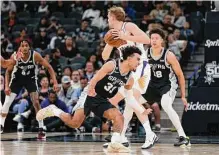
<point>98,105</point>
<point>154,94</point>
<point>17,84</point>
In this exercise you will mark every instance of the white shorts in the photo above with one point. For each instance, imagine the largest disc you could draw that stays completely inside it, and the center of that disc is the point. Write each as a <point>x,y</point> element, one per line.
<point>143,70</point>
<point>81,100</point>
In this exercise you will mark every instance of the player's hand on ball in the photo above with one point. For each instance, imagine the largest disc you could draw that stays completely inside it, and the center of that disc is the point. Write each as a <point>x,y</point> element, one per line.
<point>185,103</point>
<point>91,91</point>
<point>118,34</point>
<point>7,91</point>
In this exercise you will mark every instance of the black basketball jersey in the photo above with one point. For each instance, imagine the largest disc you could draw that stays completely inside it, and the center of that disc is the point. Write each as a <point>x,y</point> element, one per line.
<point>25,70</point>
<point>161,72</point>
<point>108,86</point>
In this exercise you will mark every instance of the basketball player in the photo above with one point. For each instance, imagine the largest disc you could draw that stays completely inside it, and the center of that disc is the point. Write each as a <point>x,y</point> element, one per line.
<point>104,85</point>
<point>134,36</point>
<point>163,83</point>
<point>23,73</point>
<point>4,64</point>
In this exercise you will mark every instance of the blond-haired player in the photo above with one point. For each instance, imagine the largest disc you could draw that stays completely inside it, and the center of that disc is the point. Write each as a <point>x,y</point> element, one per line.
<point>134,36</point>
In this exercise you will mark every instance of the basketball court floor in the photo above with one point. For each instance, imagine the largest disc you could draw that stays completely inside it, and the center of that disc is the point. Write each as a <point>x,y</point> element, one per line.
<point>91,144</point>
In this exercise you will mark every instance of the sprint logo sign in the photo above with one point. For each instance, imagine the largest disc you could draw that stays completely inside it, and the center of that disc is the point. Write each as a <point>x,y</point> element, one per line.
<point>212,72</point>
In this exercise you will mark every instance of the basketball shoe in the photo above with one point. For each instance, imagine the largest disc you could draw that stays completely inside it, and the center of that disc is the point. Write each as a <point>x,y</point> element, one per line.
<point>183,142</point>
<point>46,112</point>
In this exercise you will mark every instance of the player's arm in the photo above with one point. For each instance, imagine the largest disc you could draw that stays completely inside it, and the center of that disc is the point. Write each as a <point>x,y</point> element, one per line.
<point>138,35</point>
<point>171,59</point>
<point>106,52</point>
<point>44,63</point>
<point>105,69</point>
<point>8,75</point>
<point>5,63</point>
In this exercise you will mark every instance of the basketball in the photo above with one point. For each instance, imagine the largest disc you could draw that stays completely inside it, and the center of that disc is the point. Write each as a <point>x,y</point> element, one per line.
<point>110,39</point>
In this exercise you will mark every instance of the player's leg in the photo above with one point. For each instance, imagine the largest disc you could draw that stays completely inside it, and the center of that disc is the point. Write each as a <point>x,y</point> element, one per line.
<point>166,103</point>
<point>15,88</point>
<point>156,111</point>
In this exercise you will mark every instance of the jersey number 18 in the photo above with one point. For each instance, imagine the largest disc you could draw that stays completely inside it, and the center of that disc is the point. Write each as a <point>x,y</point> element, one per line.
<point>158,74</point>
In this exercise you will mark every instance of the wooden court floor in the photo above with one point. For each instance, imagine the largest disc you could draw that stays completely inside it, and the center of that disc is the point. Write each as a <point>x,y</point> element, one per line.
<point>26,144</point>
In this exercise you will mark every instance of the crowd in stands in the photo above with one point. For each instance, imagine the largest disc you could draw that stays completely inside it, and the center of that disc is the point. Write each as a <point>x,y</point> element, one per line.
<point>69,35</point>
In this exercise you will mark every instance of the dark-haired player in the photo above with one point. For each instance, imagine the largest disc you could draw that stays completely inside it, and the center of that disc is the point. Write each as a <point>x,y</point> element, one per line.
<point>23,73</point>
<point>163,83</point>
<point>103,86</point>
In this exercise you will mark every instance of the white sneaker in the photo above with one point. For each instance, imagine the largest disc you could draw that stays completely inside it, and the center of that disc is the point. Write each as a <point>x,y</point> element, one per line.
<point>149,141</point>
<point>20,127</point>
<point>26,114</point>
<point>124,142</point>
<point>117,148</point>
<point>46,112</point>
<point>17,118</point>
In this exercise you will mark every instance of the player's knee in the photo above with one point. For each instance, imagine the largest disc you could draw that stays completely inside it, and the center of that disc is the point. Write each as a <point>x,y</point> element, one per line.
<point>155,107</point>
<point>118,117</point>
<point>75,123</point>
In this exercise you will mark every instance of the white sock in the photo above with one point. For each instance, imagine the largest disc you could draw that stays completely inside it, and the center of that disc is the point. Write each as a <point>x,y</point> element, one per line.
<point>116,137</point>
<point>8,101</point>
<point>128,113</point>
<point>57,112</point>
<point>147,127</point>
<point>41,124</point>
<point>2,120</point>
<point>166,103</point>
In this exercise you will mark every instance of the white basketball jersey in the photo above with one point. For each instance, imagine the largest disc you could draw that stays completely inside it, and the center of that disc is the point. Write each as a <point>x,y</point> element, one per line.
<point>130,43</point>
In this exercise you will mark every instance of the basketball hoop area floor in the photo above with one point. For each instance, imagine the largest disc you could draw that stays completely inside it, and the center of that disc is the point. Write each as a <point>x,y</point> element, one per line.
<point>91,144</point>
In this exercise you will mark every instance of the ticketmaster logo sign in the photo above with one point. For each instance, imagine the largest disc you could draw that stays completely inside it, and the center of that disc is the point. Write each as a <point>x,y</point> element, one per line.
<point>203,107</point>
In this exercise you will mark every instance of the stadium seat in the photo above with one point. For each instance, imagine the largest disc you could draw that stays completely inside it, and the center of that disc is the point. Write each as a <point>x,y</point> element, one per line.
<point>58,14</point>
<point>80,59</point>
<point>75,15</point>
<point>76,66</point>
<point>18,28</point>
<point>67,21</point>
<point>39,14</point>
<point>23,15</point>
<point>34,21</point>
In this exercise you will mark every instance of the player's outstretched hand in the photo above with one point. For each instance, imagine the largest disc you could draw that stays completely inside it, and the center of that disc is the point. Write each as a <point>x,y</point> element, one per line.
<point>91,91</point>
<point>18,55</point>
<point>185,103</point>
<point>7,91</point>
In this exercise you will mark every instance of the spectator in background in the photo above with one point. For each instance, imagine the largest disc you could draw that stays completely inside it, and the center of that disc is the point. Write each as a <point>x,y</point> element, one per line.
<point>158,13</point>
<point>44,88</point>
<point>75,79</point>
<point>66,92</point>
<point>85,33</point>
<point>81,73</point>
<point>44,23</point>
<point>92,13</point>
<point>89,70</point>
<point>42,40</point>
<point>67,71</point>
<point>6,46</point>
<point>23,36</point>
<point>7,6</point>
<point>77,92</point>
<point>177,35</point>
<point>58,39</point>
<point>43,8</point>
<point>60,7</point>
<point>101,21</point>
<point>54,25</point>
<point>56,54</point>
<point>21,104</point>
<point>68,49</point>
<point>130,12</point>
<point>11,21</point>
<point>76,6</point>
<point>53,122</point>
<point>167,24</point>
<point>96,63</point>
<point>178,18</point>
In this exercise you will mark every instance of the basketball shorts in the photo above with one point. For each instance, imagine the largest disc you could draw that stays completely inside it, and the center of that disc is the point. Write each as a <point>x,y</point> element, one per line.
<point>154,94</point>
<point>143,71</point>
<point>17,84</point>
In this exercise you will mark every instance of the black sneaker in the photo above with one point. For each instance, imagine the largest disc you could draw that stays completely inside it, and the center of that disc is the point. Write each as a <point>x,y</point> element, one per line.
<point>183,142</point>
<point>108,138</point>
<point>41,134</point>
<point>1,129</point>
